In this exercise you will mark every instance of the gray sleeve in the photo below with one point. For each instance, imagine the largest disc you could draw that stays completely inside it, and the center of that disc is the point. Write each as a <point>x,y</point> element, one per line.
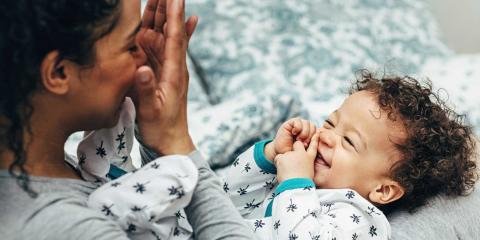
<point>66,219</point>
<point>211,213</point>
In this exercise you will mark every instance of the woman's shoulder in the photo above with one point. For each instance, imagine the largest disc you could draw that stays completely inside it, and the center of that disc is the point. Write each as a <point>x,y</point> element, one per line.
<point>58,212</point>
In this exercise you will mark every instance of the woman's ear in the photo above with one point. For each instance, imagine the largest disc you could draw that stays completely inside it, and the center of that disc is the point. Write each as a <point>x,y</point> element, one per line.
<point>56,73</point>
<point>386,192</point>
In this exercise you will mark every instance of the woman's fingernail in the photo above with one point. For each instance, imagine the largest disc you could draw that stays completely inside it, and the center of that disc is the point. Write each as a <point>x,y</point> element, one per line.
<point>144,78</point>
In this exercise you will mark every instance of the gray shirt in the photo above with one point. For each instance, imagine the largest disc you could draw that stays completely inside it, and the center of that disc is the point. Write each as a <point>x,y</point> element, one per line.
<point>60,210</point>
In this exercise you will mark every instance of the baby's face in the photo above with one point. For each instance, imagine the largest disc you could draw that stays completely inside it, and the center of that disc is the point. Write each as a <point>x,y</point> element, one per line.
<point>355,146</point>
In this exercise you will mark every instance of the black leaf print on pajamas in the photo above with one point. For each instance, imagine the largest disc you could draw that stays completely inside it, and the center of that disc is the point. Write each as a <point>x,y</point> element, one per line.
<point>176,191</point>
<point>314,236</point>
<point>120,139</point>
<point>140,187</point>
<point>258,224</point>
<point>269,184</point>
<point>247,167</point>
<point>350,194</point>
<point>373,231</point>
<point>292,207</point>
<point>155,165</point>
<point>354,236</point>
<point>176,231</point>
<point>371,210</point>
<point>82,159</point>
<point>243,191</point>
<point>276,225</point>
<point>137,208</point>
<point>101,150</point>
<point>178,215</point>
<point>107,210</point>
<point>131,228</point>
<point>235,163</point>
<point>225,187</point>
<point>115,184</point>
<point>252,205</point>
<point>355,218</point>
<point>292,236</point>
<point>307,188</point>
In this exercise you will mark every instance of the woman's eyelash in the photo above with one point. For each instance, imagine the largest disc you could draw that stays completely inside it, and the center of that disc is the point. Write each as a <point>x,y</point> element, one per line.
<point>133,48</point>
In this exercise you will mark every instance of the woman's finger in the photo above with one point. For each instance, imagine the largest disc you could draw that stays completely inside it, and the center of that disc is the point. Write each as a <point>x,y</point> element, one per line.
<point>190,26</point>
<point>145,91</point>
<point>160,16</point>
<point>175,47</point>
<point>148,18</point>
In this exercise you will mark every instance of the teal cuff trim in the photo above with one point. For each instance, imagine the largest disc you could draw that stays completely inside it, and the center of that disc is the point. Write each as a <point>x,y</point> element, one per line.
<point>268,212</point>
<point>294,183</point>
<point>115,172</point>
<point>259,156</point>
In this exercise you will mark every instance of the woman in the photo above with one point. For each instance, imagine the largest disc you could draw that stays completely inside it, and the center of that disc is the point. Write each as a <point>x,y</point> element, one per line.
<point>67,66</point>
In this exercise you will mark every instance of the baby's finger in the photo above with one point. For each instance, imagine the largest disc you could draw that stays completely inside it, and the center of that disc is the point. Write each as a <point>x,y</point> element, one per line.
<point>313,129</point>
<point>312,148</point>
<point>298,146</point>
<point>297,126</point>
<point>305,131</point>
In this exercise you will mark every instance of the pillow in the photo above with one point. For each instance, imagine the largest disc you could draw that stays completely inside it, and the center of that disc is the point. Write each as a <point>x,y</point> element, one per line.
<point>223,131</point>
<point>445,218</point>
<point>459,76</point>
<point>311,47</point>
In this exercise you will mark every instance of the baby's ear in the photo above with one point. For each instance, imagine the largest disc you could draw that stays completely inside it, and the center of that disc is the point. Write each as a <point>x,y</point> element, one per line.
<point>386,192</point>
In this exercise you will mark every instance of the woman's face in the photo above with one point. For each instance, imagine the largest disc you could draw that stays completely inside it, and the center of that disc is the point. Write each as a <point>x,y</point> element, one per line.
<point>101,90</point>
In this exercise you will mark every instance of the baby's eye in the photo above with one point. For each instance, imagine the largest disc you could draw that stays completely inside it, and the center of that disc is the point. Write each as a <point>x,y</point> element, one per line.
<point>350,142</point>
<point>328,123</point>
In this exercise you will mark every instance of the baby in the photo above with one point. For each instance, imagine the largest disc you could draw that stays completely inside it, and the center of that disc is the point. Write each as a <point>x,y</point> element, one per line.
<point>392,144</point>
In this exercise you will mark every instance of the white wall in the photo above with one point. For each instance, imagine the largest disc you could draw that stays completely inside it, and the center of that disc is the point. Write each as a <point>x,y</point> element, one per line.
<point>460,22</point>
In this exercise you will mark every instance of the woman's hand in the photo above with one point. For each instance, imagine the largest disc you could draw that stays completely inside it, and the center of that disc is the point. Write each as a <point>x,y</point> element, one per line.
<point>161,87</point>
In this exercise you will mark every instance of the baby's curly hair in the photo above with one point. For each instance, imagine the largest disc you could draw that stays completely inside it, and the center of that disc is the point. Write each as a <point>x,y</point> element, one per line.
<point>438,151</point>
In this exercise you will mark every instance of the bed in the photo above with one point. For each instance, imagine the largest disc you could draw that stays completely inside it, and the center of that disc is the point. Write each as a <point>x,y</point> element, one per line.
<point>254,64</point>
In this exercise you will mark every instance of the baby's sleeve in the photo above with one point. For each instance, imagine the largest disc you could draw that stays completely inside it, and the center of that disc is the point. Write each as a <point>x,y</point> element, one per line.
<point>300,213</point>
<point>149,198</point>
<point>250,180</point>
<point>100,149</point>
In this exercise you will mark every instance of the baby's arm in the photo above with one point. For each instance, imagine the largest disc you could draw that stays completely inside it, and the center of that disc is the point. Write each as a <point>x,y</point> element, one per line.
<point>99,149</point>
<point>157,191</point>
<point>250,179</point>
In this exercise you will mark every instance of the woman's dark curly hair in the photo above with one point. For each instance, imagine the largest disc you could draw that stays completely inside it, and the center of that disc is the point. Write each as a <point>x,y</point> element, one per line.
<point>438,152</point>
<point>29,30</point>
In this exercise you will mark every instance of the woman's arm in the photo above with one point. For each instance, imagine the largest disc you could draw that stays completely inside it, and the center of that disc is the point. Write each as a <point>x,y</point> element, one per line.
<point>211,212</point>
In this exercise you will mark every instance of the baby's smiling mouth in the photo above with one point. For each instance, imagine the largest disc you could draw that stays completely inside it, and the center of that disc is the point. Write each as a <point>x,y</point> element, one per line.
<point>321,161</point>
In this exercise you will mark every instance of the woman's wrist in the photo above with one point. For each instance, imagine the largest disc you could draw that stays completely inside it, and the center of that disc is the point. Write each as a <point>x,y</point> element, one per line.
<point>182,146</point>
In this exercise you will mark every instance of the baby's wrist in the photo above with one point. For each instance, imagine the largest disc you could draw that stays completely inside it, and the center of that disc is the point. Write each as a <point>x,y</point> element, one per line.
<point>269,151</point>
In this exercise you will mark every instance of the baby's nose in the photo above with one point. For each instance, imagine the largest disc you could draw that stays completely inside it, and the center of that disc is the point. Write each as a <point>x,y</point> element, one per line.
<point>327,137</point>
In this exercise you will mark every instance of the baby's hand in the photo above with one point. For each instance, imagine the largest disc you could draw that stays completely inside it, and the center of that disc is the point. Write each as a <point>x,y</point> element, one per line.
<point>297,163</point>
<point>295,129</point>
